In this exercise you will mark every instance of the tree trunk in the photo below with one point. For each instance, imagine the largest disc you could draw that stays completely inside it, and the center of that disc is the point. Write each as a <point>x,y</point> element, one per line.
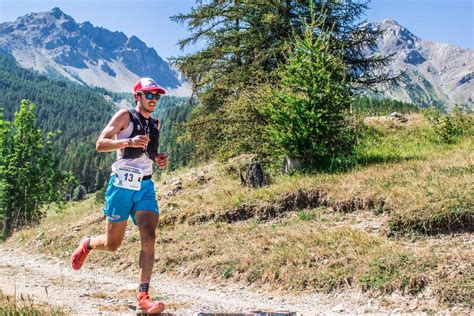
<point>255,176</point>
<point>7,222</point>
<point>291,164</point>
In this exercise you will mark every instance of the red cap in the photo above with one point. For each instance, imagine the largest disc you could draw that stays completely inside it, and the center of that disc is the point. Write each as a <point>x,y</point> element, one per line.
<point>147,84</point>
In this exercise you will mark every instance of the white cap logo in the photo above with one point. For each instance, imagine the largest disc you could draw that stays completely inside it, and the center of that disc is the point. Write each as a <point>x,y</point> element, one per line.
<point>148,83</point>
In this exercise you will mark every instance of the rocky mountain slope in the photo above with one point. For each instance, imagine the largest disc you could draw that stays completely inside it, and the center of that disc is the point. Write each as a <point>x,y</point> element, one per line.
<point>53,43</point>
<point>435,73</point>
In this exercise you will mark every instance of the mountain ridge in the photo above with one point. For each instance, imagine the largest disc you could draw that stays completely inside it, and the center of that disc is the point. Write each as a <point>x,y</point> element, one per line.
<point>434,73</point>
<point>55,44</point>
<point>52,42</point>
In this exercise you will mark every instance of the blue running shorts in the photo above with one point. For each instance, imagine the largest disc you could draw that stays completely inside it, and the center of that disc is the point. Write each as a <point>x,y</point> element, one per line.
<point>121,203</point>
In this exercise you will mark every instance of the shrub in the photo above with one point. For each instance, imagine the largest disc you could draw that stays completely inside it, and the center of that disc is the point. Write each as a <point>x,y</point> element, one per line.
<point>244,124</point>
<point>448,127</point>
<point>99,195</point>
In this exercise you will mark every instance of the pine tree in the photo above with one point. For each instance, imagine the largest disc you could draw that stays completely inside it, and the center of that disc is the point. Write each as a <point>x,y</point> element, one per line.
<point>246,39</point>
<point>309,113</point>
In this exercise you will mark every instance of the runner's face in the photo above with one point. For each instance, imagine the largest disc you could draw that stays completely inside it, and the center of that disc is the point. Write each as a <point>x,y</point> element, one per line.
<point>149,105</point>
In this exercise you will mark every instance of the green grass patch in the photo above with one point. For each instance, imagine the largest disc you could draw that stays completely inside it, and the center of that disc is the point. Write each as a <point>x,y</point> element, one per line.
<point>395,271</point>
<point>308,215</point>
<point>432,191</point>
<point>441,199</point>
<point>228,271</point>
<point>391,142</point>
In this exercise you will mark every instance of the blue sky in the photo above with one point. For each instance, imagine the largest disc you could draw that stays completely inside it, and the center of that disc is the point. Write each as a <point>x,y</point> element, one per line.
<point>447,21</point>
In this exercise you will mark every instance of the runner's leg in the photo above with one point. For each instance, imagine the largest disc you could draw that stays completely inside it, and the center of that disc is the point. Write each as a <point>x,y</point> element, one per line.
<point>113,237</point>
<point>147,222</point>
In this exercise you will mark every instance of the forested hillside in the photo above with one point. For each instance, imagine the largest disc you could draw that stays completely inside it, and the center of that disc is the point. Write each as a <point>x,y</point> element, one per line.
<point>379,106</point>
<point>80,113</point>
<point>77,111</point>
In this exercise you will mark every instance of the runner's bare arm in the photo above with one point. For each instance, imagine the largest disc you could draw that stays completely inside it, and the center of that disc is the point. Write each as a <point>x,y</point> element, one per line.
<point>119,121</point>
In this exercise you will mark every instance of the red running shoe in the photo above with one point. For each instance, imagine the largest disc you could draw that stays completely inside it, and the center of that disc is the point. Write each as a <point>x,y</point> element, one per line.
<point>147,306</point>
<point>80,254</point>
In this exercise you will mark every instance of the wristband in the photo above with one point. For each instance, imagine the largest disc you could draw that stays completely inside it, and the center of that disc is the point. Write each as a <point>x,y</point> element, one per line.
<point>129,142</point>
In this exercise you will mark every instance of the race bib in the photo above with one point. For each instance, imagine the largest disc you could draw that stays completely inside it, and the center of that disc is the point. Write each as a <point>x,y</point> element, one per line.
<point>128,178</point>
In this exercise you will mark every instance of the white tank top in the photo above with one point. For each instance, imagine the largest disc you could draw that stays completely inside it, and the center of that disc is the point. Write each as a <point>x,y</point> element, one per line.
<point>142,162</point>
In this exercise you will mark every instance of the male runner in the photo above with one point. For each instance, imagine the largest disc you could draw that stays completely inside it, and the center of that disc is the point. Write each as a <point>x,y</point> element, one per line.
<point>130,192</point>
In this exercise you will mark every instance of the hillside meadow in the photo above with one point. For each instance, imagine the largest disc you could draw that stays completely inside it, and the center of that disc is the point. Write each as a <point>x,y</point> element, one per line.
<point>400,222</point>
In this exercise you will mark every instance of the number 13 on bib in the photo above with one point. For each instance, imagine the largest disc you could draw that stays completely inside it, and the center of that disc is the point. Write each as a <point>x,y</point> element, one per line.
<point>128,178</point>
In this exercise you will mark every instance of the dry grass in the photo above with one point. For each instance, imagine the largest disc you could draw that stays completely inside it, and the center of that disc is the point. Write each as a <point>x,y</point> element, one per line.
<point>301,255</point>
<point>11,306</point>
<point>426,188</point>
<point>455,279</point>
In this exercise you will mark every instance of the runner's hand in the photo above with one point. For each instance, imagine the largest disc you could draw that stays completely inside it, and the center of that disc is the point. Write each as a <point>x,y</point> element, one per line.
<point>140,141</point>
<point>162,160</point>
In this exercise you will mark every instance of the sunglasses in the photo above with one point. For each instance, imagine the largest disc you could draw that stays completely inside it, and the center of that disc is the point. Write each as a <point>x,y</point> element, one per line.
<point>150,96</point>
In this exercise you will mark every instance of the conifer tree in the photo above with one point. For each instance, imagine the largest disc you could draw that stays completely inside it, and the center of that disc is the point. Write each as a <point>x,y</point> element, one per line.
<point>309,113</point>
<point>246,40</point>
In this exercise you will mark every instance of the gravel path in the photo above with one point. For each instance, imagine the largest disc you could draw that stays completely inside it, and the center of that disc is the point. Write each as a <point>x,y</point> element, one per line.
<point>92,292</point>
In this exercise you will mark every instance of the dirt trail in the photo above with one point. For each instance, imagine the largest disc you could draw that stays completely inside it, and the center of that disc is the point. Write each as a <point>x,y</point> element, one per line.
<point>93,292</point>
